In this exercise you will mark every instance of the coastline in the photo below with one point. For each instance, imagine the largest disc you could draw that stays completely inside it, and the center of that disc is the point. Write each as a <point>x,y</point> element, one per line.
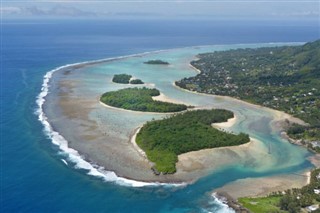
<point>162,97</point>
<point>135,145</point>
<point>279,117</point>
<point>197,166</point>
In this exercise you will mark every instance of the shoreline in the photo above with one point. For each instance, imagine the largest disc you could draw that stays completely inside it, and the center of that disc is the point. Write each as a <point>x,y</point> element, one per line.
<point>195,165</point>
<point>225,125</point>
<point>278,115</point>
<point>135,145</point>
<point>162,97</point>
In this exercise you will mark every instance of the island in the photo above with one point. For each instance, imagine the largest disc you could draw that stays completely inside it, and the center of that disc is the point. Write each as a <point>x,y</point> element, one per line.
<point>139,99</point>
<point>284,78</point>
<point>121,78</point>
<point>156,62</point>
<point>125,79</point>
<point>163,140</point>
<point>136,81</point>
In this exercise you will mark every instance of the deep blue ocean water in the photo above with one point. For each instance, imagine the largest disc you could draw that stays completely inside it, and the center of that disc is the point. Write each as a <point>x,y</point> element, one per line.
<point>33,179</point>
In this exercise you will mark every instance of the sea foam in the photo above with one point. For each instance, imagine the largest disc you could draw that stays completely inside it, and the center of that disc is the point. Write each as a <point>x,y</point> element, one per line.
<point>218,205</point>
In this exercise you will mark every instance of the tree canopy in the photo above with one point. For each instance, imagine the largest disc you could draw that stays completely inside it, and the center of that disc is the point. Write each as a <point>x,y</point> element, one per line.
<point>163,140</point>
<point>139,99</point>
<point>157,61</point>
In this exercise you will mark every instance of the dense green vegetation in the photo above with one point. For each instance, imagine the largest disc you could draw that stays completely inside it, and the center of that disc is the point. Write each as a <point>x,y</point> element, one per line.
<point>163,140</point>
<point>125,79</point>
<point>136,81</point>
<point>139,99</point>
<point>157,61</point>
<point>295,199</point>
<point>284,78</point>
<point>292,200</point>
<point>121,78</point>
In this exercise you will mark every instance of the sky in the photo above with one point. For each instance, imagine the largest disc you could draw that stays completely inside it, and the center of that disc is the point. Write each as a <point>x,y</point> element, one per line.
<point>266,9</point>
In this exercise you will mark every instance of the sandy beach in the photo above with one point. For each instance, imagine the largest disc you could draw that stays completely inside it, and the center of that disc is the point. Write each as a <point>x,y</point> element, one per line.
<point>227,124</point>
<point>197,70</point>
<point>162,97</point>
<point>135,145</point>
<point>254,187</point>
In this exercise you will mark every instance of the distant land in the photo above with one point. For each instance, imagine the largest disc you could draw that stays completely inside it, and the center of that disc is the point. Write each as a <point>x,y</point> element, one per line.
<point>285,78</point>
<point>156,62</point>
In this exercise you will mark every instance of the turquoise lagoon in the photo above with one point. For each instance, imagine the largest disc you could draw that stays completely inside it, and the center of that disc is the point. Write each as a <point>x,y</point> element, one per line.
<point>90,80</point>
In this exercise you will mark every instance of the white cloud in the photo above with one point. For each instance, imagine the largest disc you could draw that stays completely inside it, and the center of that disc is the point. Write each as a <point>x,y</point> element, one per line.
<point>58,10</point>
<point>10,10</point>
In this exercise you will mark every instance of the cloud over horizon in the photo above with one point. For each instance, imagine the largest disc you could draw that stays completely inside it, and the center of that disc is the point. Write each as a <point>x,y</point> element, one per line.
<point>223,9</point>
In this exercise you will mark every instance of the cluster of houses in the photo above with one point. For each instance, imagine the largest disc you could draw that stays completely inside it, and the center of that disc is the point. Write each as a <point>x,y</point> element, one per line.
<point>314,207</point>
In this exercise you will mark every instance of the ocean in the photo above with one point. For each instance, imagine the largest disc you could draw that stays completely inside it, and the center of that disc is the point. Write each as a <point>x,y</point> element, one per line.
<point>33,177</point>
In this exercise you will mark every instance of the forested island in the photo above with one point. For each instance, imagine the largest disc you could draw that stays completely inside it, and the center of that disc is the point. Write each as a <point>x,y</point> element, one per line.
<point>284,78</point>
<point>125,79</point>
<point>163,140</point>
<point>156,62</point>
<point>121,78</point>
<point>139,99</point>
